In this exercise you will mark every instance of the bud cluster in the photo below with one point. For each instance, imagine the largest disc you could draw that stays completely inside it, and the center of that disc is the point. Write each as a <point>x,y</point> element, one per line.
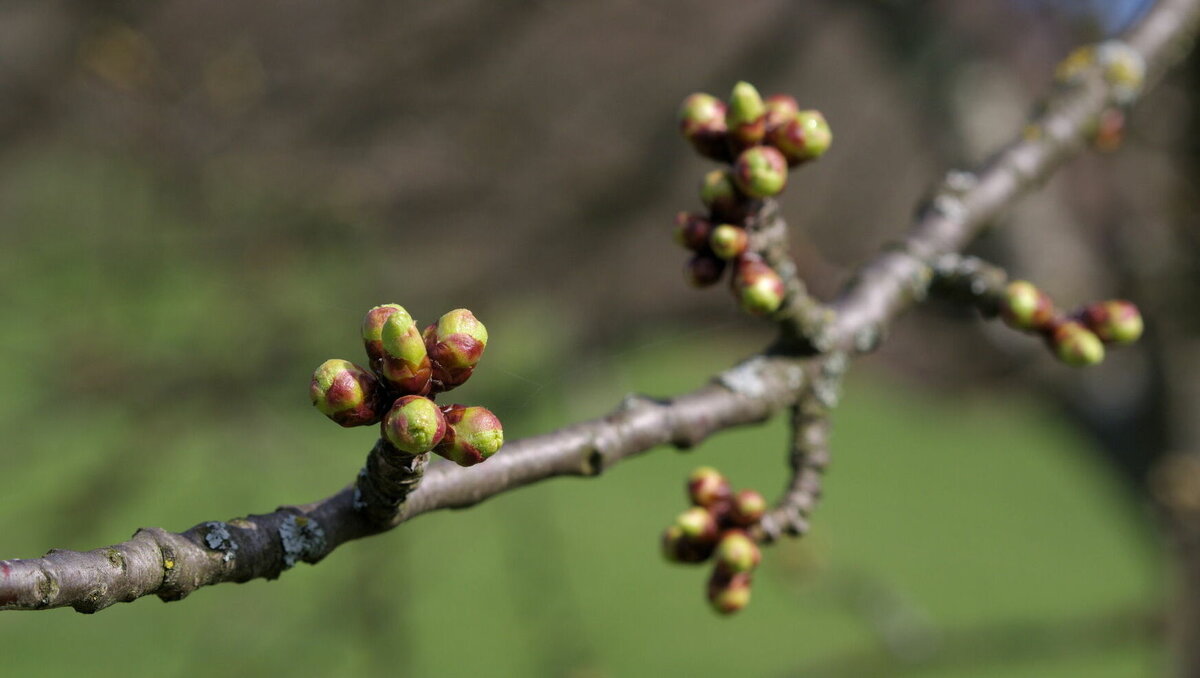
<point>408,368</point>
<point>1077,338</point>
<point>760,140</point>
<point>717,527</point>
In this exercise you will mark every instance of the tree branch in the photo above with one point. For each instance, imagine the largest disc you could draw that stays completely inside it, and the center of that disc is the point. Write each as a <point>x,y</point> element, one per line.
<point>172,565</point>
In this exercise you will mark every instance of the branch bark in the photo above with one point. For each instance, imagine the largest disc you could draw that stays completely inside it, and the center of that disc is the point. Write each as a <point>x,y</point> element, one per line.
<point>171,565</point>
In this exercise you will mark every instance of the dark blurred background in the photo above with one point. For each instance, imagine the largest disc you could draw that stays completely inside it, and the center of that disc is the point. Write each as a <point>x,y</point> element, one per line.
<point>198,201</point>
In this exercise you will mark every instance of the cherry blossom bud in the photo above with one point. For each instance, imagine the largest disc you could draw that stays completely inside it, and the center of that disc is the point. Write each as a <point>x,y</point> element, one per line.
<point>728,241</point>
<point>414,424</point>
<point>676,548</point>
<point>455,345</point>
<point>803,137</point>
<point>748,507</point>
<point>692,231</point>
<point>745,117</point>
<point>757,286</point>
<point>702,122</point>
<point>1076,345</point>
<point>472,435</point>
<point>698,525</point>
<point>704,269</point>
<point>345,392</point>
<point>760,172</point>
<point>1025,307</point>
<point>404,363</point>
<point>737,552</point>
<point>728,594</point>
<point>720,195</point>
<point>1114,322</point>
<point>707,487</point>
<point>780,108</point>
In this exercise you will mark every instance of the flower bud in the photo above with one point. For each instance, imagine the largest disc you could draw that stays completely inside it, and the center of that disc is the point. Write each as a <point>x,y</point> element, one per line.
<point>1025,307</point>
<point>455,345</point>
<point>472,435</point>
<point>414,424</point>
<point>372,330</point>
<point>720,195</point>
<point>702,122</point>
<point>692,231</point>
<point>698,525</point>
<point>757,286</point>
<point>405,363</point>
<point>737,552</point>
<point>704,269</point>
<point>728,241</point>
<point>745,116</point>
<point>780,109</point>
<point>676,548</point>
<point>1114,322</point>
<point>760,172</point>
<point>1076,345</point>
<point>803,137</point>
<point>728,594</point>
<point>345,392</point>
<point>748,508</point>
<point>706,486</point>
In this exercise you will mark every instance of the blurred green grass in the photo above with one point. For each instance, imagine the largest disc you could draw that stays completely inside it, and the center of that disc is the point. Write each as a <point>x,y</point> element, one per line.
<point>965,534</point>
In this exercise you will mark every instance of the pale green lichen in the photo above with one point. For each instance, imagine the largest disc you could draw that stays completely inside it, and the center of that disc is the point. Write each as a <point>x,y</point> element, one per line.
<point>302,538</point>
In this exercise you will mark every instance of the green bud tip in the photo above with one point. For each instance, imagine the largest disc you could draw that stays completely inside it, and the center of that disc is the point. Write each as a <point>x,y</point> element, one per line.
<point>702,122</point>
<point>692,231</point>
<point>707,487</point>
<point>728,593</point>
<point>345,392</point>
<point>757,286</point>
<point>456,345</point>
<point>698,525</point>
<point>472,435</point>
<point>779,109</point>
<point>1025,307</point>
<point>803,137</point>
<point>760,172</point>
<point>372,328</point>
<point>737,552</point>
<point>414,424</point>
<point>405,362</point>
<point>676,548</point>
<point>745,117</point>
<point>1114,322</point>
<point>728,241</point>
<point>748,507</point>
<point>720,195</point>
<point>704,269</point>
<point>1076,345</point>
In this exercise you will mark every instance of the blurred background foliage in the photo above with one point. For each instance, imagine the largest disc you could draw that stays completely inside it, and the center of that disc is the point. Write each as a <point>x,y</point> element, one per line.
<point>198,201</point>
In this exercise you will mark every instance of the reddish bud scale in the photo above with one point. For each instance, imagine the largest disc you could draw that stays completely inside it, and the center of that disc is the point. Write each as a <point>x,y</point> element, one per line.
<point>692,231</point>
<point>702,123</point>
<point>414,424</point>
<point>1026,307</point>
<point>1114,322</point>
<point>760,172</point>
<point>706,487</point>
<point>804,136</point>
<point>455,345</point>
<point>757,286</point>
<point>346,393</point>
<point>780,109</point>
<point>372,330</point>
<point>1075,344</point>
<point>699,526</point>
<point>728,593</point>
<point>472,435</point>
<point>676,548</point>
<point>748,507</point>
<point>728,241</point>
<point>704,269</point>
<point>720,195</point>
<point>736,552</point>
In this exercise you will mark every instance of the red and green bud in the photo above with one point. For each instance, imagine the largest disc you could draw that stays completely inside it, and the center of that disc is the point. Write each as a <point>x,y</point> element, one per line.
<point>677,548</point>
<point>704,269</point>
<point>760,172</point>
<point>456,344</point>
<point>405,362</point>
<point>728,241</point>
<point>372,330</point>
<point>728,593</point>
<point>1114,322</point>
<point>1076,345</point>
<point>757,286</point>
<point>748,508</point>
<point>737,553</point>
<point>692,231</point>
<point>472,435</point>
<point>745,117</point>
<point>698,525</point>
<point>345,392</point>
<point>780,109</point>
<point>804,136</point>
<point>414,424</point>
<point>1025,307</point>
<point>720,195</point>
<point>702,122</point>
<point>707,487</point>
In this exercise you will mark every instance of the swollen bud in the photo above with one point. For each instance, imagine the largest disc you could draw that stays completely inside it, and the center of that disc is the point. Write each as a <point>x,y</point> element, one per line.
<point>414,424</point>
<point>472,435</point>
<point>372,330</point>
<point>704,269</point>
<point>698,525</point>
<point>345,392</point>
<point>720,195</point>
<point>728,241</point>
<point>780,109</point>
<point>1114,322</point>
<point>728,594</point>
<point>748,508</point>
<point>702,122</point>
<point>456,344</point>
<point>803,137</point>
<point>1025,307</point>
<point>692,231</point>
<point>737,553</point>
<point>1076,345</point>
<point>745,116</point>
<point>760,172</point>
<point>757,286</point>
<point>676,548</point>
<point>707,487</point>
<point>405,363</point>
